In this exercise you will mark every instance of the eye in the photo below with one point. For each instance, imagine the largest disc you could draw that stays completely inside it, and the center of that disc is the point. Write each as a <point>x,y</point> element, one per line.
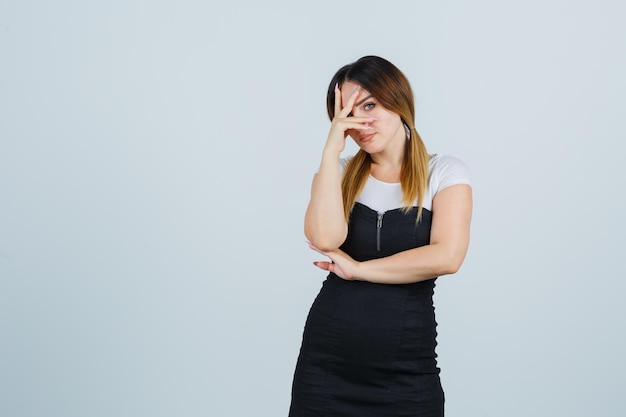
<point>368,106</point>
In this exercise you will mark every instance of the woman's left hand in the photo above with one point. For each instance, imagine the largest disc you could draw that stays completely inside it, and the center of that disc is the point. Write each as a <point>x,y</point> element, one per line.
<point>342,265</point>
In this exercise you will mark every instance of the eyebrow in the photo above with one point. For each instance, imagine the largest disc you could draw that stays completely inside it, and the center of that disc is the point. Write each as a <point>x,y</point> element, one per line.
<point>363,101</point>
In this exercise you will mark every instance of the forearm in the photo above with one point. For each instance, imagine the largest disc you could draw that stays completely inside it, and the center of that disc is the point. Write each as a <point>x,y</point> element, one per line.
<point>325,224</point>
<point>410,266</point>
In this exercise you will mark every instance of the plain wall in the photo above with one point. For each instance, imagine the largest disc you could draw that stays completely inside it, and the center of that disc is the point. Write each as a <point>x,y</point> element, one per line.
<point>155,165</point>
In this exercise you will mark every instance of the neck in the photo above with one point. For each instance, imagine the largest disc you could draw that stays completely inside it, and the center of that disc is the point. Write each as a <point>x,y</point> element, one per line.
<point>385,161</point>
<point>391,157</point>
<point>387,165</point>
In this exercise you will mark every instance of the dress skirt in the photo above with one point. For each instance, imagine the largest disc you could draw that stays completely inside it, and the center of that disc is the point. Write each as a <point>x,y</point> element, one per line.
<point>369,349</point>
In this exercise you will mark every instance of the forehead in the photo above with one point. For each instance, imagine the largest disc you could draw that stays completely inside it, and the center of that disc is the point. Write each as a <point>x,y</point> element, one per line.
<point>348,87</point>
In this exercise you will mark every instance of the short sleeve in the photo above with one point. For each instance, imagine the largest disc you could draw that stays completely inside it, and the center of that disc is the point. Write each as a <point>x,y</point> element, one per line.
<point>343,163</point>
<point>446,171</point>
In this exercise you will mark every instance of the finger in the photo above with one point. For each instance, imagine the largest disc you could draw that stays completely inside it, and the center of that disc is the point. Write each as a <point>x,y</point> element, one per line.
<point>348,124</point>
<point>337,99</point>
<point>347,109</point>
<point>361,121</point>
<point>326,266</point>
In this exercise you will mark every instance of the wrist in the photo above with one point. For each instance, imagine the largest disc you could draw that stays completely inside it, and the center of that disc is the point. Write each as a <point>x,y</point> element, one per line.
<point>331,154</point>
<point>330,161</point>
<point>358,274</point>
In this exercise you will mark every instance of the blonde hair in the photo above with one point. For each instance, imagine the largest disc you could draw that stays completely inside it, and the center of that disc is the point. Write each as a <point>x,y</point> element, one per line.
<point>390,87</point>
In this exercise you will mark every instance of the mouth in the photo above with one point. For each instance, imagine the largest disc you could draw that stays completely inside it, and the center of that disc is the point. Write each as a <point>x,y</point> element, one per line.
<point>367,138</point>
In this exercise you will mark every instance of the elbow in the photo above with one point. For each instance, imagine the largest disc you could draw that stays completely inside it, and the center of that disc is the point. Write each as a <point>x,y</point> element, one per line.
<point>326,247</point>
<point>325,242</point>
<point>451,264</point>
<point>450,268</point>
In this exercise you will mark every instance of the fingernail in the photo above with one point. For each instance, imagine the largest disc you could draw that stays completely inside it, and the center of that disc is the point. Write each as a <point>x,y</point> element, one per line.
<point>372,119</point>
<point>356,89</point>
<point>336,87</point>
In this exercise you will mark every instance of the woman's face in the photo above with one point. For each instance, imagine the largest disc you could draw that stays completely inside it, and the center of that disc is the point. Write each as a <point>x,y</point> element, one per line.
<point>387,130</point>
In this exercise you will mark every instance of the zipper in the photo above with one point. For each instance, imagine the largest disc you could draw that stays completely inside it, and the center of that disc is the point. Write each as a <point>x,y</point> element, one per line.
<point>379,225</point>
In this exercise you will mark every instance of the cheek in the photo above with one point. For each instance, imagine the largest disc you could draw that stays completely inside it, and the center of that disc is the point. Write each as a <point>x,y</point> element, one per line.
<point>383,122</point>
<point>390,122</point>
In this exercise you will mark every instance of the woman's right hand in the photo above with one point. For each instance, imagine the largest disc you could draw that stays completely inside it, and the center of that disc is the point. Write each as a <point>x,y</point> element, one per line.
<point>342,122</point>
<point>325,222</point>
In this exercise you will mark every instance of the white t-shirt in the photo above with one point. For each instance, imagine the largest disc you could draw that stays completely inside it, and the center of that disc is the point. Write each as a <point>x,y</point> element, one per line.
<point>444,171</point>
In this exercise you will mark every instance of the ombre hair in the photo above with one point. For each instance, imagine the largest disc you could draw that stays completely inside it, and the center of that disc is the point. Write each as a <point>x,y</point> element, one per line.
<point>390,87</point>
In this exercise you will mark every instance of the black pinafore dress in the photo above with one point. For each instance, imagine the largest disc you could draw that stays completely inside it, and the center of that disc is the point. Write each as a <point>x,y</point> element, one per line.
<point>369,349</point>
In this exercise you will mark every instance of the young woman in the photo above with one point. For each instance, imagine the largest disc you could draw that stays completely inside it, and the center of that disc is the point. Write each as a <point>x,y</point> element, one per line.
<point>391,220</point>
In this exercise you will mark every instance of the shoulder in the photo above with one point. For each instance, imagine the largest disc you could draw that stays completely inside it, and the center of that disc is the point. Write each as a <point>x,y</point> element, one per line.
<point>447,170</point>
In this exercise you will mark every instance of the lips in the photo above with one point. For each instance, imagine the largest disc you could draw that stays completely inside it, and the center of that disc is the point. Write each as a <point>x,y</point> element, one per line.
<point>367,138</point>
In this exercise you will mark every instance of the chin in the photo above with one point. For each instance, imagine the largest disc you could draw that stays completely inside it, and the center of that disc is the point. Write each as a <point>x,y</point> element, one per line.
<point>370,148</point>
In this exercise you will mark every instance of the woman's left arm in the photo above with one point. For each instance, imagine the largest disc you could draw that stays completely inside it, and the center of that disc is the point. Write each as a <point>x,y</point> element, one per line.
<point>449,240</point>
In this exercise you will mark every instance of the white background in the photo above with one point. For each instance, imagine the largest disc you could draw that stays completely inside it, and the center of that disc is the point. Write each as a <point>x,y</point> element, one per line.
<point>155,164</point>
